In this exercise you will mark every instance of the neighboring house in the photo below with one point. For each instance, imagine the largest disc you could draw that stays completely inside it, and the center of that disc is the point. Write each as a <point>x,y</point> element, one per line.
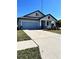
<point>36,20</point>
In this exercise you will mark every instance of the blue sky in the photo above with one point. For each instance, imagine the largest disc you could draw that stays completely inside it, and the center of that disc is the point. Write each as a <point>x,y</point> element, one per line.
<point>49,7</point>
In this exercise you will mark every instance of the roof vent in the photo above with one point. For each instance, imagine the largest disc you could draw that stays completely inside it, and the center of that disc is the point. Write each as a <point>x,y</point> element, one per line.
<point>48,17</point>
<point>37,14</point>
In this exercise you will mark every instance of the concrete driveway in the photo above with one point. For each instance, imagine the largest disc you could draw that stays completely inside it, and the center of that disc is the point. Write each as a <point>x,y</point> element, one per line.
<point>49,43</point>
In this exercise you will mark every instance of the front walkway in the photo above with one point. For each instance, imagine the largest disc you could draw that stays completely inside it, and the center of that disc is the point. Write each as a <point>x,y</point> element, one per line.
<point>25,45</point>
<point>49,43</point>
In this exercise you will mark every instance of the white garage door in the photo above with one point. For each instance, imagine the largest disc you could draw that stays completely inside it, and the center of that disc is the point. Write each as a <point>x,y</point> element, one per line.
<point>30,24</point>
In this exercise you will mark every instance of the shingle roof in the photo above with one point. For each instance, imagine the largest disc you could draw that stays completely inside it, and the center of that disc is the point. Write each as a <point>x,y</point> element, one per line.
<point>26,17</point>
<point>31,18</point>
<point>52,17</point>
<point>49,15</point>
<point>33,12</point>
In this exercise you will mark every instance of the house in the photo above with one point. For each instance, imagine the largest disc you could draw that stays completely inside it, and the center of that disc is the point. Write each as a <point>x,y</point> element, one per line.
<point>36,20</point>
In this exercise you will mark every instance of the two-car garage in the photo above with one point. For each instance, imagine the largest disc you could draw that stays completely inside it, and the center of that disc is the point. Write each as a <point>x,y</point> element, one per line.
<point>30,24</point>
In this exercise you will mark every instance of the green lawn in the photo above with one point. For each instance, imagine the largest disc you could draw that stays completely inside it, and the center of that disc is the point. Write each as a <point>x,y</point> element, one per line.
<point>21,36</point>
<point>32,53</point>
<point>55,31</point>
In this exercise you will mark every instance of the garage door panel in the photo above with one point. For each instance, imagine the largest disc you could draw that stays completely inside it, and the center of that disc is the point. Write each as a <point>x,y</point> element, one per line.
<point>30,25</point>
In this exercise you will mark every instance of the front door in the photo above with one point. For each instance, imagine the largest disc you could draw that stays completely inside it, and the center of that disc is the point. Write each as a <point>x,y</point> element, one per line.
<point>42,24</point>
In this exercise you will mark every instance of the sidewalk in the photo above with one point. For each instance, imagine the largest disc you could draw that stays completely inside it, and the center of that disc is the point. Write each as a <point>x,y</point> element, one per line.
<point>25,44</point>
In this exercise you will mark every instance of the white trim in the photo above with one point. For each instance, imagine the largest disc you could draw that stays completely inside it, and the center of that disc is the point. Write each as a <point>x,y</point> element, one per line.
<point>46,19</point>
<point>21,23</point>
<point>40,22</point>
<point>45,22</point>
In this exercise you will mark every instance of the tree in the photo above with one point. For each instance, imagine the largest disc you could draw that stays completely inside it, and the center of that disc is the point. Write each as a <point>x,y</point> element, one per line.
<point>58,24</point>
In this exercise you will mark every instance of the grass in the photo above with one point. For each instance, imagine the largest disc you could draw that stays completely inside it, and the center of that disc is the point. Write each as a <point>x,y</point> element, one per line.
<point>21,36</point>
<point>32,53</point>
<point>55,31</point>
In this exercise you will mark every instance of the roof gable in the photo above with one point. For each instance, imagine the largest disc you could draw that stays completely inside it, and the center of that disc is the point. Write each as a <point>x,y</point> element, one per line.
<point>49,17</point>
<point>35,14</point>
